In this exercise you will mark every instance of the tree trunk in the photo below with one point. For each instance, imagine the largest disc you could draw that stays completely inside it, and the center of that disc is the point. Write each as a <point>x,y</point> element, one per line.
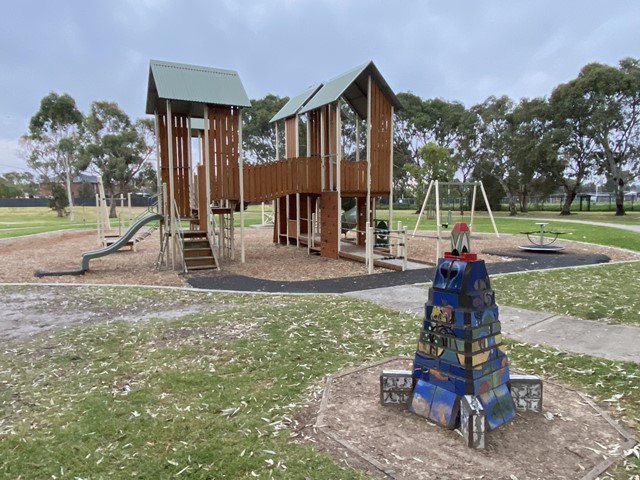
<point>566,206</point>
<point>112,207</point>
<point>524,203</point>
<point>620,197</point>
<point>615,169</point>
<point>69,193</point>
<point>510,197</point>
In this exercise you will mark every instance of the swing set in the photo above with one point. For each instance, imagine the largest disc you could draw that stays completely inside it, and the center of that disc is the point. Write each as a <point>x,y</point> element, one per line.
<point>435,186</point>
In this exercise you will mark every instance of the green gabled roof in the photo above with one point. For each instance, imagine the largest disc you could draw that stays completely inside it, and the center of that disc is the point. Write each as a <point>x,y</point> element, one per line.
<point>352,86</point>
<point>295,104</point>
<point>192,86</point>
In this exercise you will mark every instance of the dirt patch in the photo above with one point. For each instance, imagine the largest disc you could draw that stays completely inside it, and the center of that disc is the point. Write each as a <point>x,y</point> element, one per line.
<point>569,439</point>
<point>50,307</point>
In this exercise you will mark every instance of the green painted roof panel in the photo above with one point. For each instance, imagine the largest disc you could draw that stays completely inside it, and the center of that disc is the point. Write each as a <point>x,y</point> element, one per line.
<point>352,86</point>
<point>192,84</point>
<point>295,104</point>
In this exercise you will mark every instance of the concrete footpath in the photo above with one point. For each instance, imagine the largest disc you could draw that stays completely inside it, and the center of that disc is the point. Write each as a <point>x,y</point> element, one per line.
<point>570,334</point>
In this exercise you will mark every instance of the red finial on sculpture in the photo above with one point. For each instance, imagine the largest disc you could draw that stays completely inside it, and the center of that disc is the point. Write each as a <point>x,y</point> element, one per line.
<point>461,243</point>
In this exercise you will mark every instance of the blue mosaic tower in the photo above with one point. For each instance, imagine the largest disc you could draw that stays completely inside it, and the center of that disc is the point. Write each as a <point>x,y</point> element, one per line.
<point>460,353</point>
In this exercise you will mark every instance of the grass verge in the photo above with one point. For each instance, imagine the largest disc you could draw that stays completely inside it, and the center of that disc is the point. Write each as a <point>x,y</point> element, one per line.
<point>607,293</point>
<point>212,394</point>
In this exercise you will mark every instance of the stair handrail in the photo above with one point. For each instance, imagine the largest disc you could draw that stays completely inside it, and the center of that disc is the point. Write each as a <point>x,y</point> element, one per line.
<point>180,234</point>
<point>211,236</point>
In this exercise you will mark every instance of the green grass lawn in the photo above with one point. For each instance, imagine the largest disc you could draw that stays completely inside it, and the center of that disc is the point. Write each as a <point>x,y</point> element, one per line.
<point>607,293</point>
<point>19,221</point>
<point>516,225</point>
<point>214,394</point>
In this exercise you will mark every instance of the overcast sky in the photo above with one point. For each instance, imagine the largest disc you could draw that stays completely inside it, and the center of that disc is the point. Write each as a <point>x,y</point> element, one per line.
<point>456,50</point>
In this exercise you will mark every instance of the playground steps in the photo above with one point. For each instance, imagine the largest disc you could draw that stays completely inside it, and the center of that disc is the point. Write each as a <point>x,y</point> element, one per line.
<point>111,239</point>
<point>197,251</point>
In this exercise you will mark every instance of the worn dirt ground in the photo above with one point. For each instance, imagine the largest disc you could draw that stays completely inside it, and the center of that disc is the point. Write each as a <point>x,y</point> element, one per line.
<point>566,441</point>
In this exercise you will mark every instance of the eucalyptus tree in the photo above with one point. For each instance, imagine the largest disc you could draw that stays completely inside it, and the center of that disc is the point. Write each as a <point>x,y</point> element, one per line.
<point>258,135</point>
<point>575,147</point>
<point>119,150</point>
<point>20,184</point>
<point>494,128</point>
<point>434,120</point>
<point>436,164</point>
<point>52,145</point>
<point>532,150</point>
<point>605,102</point>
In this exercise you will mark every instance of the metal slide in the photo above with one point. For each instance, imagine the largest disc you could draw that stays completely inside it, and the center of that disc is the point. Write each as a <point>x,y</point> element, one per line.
<point>121,242</point>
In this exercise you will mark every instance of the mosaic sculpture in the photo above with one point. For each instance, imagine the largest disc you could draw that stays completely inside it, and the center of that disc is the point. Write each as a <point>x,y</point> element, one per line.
<point>460,371</point>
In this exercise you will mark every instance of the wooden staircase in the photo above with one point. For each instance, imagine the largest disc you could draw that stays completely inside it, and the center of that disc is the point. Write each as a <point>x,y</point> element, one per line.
<point>197,251</point>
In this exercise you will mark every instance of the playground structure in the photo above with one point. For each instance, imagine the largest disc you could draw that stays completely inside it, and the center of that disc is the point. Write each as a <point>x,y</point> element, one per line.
<point>539,243</point>
<point>206,187</point>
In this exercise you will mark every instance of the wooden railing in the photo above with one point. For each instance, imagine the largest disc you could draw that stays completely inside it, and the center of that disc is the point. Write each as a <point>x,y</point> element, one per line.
<point>269,181</point>
<point>353,177</point>
<point>285,177</point>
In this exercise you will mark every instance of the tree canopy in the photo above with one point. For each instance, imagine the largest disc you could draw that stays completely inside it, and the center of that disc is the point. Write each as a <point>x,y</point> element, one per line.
<point>53,142</point>
<point>258,135</point>
<point>118,149</point>
<point>603,105</point>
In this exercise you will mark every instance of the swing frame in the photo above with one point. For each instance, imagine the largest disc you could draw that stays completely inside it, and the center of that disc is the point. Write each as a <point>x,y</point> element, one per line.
<point>437,184</point>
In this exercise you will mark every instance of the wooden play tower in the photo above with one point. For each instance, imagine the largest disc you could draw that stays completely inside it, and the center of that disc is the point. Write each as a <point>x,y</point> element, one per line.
<point>204,178</point>
<point>309,206</point>
<point>191,101</point>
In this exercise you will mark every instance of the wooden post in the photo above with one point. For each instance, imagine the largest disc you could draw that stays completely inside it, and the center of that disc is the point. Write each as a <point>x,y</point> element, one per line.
<point>207,171</point>
<point>98,216</point>
<point>369,150</point>
<point>158,160</point>
<point>369,247</point>
<point>310,232</point>
<point>287,212</point>
<point>338,175</point>
<point>130,212</point>
<point>473,204</point>
<point>322,159</point>
<point>486,201</point>
<point>161,208</point>
<point>308,138</point>
<point>241,161</point>
<point>277,144</point>
<point>357,138</point>
<point>405,250</point>
<point>190,166</point>
<point>424,204</point>
<point>391,170</point>
<point>331,153</point>
<point>437,220</point>
<point>297,134</point>
<point>297,220</point>
<point>171,186</point>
